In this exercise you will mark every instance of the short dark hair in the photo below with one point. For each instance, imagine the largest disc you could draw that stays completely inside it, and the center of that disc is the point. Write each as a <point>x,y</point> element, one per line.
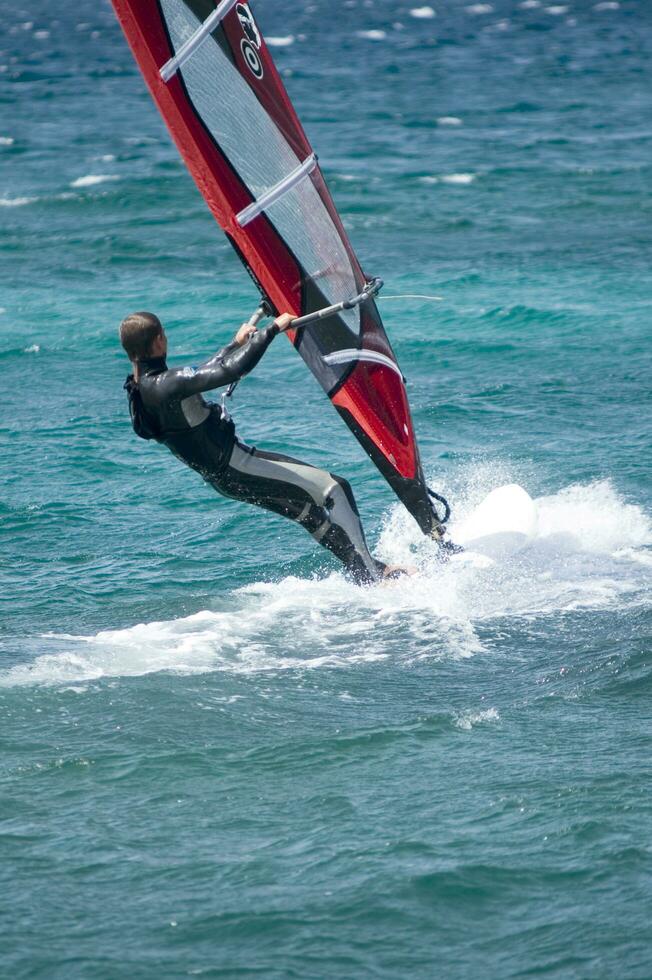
<point>138,331</point>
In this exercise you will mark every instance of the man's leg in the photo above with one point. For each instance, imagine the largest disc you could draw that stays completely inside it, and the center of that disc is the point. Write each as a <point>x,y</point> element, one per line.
<point>320,501</point>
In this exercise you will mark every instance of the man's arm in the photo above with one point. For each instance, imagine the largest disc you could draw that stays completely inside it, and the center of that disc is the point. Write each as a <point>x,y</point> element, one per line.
<point>246,331</point>
<point>229,364</point>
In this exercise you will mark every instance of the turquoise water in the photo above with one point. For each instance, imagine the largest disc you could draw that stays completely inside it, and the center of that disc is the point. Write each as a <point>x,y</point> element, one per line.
<point>218,757</point>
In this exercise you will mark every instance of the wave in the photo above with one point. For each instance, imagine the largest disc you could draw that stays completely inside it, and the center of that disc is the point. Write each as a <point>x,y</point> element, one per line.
<point>280,42</point>
<point>591,552</point>
<point>460,179</point>
<point>372,35</point>
<point>90,180</point>
<point>16,202</point>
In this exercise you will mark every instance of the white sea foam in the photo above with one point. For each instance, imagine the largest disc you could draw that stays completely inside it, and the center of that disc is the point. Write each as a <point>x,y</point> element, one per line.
<point>607,5</point>
<point>280,42</point>
<point>449,121</point>
<point>422,13</point>
<point>458,178</point>
<point>373,35</point>
<point>32,349</point>
<point>557,10</point>
<point>581,556</point>
<point>89,180</point>
<point>16,202</point>
<point>591,551</point>
<point>469,719</point>
<point>530,4</point>
<point>6,141</point>
<point>480,8</point>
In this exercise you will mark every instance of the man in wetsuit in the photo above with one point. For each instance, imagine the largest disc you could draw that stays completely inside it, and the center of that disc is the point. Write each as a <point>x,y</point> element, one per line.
<point>166,404</point>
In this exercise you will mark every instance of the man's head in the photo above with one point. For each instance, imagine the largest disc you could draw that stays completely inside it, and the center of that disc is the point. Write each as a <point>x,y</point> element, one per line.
<point>142,336</point>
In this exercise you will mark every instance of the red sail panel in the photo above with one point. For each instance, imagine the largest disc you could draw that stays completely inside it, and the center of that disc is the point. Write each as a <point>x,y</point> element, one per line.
<point>214,81</point>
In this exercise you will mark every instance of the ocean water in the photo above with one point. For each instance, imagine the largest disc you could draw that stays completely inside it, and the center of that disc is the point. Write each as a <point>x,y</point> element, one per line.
<point>219,758</point>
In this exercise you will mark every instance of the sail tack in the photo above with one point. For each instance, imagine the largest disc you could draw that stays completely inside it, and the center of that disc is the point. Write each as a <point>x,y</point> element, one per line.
<point>212,76</point>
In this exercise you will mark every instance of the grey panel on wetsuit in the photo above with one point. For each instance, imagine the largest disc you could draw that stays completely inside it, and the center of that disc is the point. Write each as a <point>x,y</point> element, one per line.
<point>322,487</point>
<point>318,483</point>
<point>195,410</point>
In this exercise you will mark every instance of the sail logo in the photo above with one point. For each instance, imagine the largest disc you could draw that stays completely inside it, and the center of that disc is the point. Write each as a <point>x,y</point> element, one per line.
<point>250,44</point>
<point>248,24</point>
<point>251,57</point>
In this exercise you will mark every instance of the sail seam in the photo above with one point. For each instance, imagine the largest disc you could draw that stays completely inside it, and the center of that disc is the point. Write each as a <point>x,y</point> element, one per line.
<point>189,47</point>
<point>345,356</point>
<point>277,191</point>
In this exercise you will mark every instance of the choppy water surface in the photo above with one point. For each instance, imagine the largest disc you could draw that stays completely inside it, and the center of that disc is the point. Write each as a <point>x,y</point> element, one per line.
<point>218,757</point>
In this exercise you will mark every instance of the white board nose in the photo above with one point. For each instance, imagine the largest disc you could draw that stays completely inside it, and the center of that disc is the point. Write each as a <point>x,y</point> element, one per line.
<point>502,524</point>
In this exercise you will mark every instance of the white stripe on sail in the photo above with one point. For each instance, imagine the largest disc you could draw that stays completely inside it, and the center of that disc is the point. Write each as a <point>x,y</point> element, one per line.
<point>172,66</point>
<point>274,193</point>
<point>345,356</point>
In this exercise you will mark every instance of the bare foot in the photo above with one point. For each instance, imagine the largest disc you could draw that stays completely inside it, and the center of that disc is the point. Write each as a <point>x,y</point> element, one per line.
<point>396,571</point>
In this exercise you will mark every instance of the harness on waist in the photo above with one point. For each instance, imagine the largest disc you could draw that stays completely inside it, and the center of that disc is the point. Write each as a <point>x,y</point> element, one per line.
<point>143,423</point>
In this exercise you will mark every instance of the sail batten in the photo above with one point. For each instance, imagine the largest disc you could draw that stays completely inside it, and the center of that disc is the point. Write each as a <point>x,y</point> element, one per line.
<point>171,67</point>
<point>348,356</point>
<point>275,193</point>
<point>213,78</point>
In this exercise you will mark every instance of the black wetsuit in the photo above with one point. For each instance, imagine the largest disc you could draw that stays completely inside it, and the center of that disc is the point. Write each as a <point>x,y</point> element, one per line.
<point>198,433</point>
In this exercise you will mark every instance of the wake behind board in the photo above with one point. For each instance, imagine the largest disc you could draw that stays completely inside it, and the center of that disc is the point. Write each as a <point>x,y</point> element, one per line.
<point>503,524</point>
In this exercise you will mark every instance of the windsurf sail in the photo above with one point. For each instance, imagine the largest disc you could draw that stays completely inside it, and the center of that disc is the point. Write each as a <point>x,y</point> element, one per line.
<point>213,79</point>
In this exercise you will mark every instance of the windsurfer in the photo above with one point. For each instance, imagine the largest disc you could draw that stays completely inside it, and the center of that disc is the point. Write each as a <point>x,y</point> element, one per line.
<point>166,404</point>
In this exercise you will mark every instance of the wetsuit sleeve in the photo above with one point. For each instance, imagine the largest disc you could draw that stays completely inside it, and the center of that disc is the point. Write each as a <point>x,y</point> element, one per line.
<point>229,364</point>
<point>223,351</point>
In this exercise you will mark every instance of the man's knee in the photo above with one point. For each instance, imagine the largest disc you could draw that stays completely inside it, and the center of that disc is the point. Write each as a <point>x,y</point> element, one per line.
<point>342,493</point>
<point>342,482</point>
